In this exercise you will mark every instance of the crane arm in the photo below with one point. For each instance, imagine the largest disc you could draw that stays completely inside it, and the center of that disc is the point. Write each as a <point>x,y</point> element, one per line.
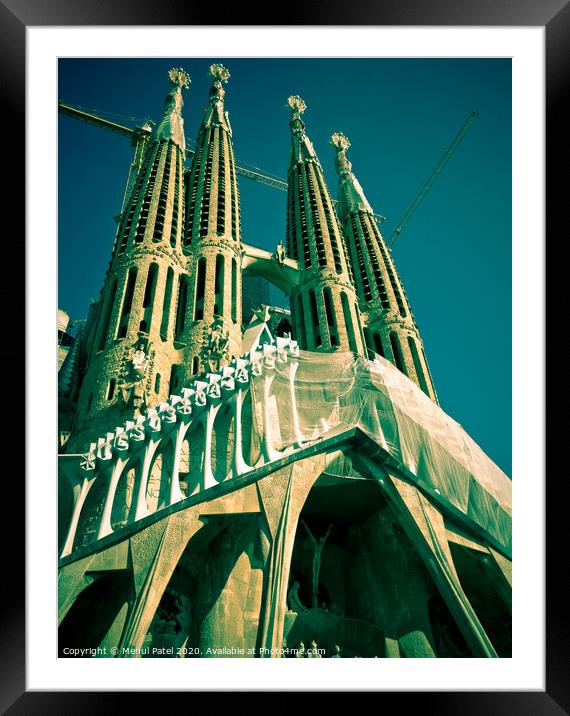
<point>429,182</point>
<point>96,121</point>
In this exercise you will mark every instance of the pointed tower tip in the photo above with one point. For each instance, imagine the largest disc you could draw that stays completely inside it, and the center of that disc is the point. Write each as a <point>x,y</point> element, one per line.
<point>215,114</point>
<point>217,92</point>
<point>219,72</point>
<point>350,196</point>
<point>179,77</point>
<point>171,125</point>
<point>297,104</point>
<point>301,147</point>
<point>340,142</point>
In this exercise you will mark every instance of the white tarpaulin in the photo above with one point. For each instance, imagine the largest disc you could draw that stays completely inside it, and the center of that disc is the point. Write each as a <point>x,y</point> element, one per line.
<point>343,389</point>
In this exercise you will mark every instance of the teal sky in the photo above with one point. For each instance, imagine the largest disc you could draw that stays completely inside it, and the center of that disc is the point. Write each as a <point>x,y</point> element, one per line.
<point>454,256</point>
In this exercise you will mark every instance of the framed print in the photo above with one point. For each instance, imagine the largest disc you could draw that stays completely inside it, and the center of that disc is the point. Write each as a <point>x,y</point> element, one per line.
<point>284,403</point>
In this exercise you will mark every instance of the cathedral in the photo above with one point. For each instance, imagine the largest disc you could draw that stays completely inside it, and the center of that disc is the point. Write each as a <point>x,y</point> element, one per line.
<point>272,485</point>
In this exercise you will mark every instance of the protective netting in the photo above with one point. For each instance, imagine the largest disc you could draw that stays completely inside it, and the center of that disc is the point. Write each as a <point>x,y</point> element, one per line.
<point>340,389</point>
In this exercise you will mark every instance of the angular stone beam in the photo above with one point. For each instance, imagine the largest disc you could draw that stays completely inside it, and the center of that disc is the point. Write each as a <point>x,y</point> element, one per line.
<point>110,455</point>
<point>257,262</point>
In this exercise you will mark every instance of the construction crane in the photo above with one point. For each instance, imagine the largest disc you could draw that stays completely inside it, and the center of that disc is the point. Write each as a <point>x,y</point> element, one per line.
<point>429,182</point>
<point>143,133</point>
<point>139,137</point>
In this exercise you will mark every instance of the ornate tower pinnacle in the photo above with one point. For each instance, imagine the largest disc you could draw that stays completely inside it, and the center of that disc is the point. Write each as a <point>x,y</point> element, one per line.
<point>340,141</point>
<point>324,307</point>
<point>220,75</point>
<point>352,195</point>
<point>297,104</point>
<point>298,107</point>
<point>171,126</point>
<point>215,114</point>
<point>389,326</point>
<point>133,346</point>
<point>212,240</point>
<point>179,77</point>
<point>301,146</point>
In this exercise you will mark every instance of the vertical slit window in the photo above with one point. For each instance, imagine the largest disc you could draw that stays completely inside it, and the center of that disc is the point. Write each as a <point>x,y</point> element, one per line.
<point>106,317</point>
<point>219,285</point>
<point>391,272</point>
<point>111,389</point>
<point>145,206</point>
<point>127,303</point>
<point>356,259</point>
<point>235,195</point>
<point>157,383</point>
<point>300,322</point>
<point>200,288</point>
<point>193,179</point>
<point>418,365</point>
<point>372,239</point>
<point>176,198</point>
<point>291,232</point>
<point>331,220</point>
<point>315,319</point>
<point>148,300</point>
<point>329,309</point>
<point>221,208</point>
<point>207,188</point>
<point>160,219</point>
<point>234,290</point>
<point>173,381</point>
<point>361,252</point>
<point>133,203</point>
<point>378,345</point>
<point>315,217</point>
<point>164,324</point>
<point>397,351</point>
<point>181,307</point>
<point>348,322</point>
<point>303,219</point>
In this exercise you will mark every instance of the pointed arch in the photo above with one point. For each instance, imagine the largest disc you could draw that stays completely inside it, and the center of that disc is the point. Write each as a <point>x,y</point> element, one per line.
<point>222,447</point>
<point>124,493</point>
<point>160,473</point>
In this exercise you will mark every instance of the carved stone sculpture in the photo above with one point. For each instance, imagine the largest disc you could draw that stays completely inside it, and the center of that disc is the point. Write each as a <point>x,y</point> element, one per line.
<point>215,348</point>
<point>318,545</point>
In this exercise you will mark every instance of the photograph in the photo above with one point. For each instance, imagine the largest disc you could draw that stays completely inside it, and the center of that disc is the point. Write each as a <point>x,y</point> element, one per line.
<point>284,357</point>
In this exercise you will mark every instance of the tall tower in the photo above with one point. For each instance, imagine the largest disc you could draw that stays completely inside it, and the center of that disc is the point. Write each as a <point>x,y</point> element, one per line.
<point>324,305</point>
<point>389,325</point>
<point>212,241</point>
<point>133,347</point>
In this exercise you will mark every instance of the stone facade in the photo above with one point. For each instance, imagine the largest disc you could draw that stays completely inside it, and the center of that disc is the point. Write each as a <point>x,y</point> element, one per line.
<point>212,502</point>
<point>389,326</point>
<point>324,306</point>
<point>213,231</point>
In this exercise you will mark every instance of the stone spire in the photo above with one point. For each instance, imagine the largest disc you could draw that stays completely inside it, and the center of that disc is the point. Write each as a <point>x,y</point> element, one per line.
<point>133,352</point>
<point>212,238</point>
<point>351,197</point>
<point>171,126</point>
<point>153,213</point>
<point>324,306</point>
<point>215,113</point>
<point>389,325</point>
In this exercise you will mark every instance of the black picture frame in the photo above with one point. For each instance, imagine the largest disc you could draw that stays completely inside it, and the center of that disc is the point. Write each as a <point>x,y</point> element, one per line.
<point>554,16</point>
